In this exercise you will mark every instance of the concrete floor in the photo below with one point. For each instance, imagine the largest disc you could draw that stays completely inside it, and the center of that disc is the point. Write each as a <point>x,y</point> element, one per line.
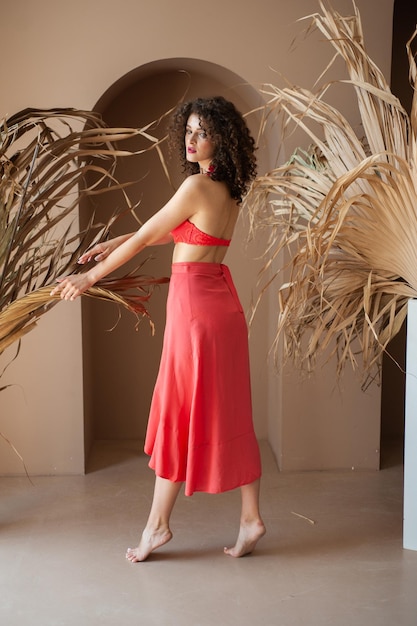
<point>63,541</point>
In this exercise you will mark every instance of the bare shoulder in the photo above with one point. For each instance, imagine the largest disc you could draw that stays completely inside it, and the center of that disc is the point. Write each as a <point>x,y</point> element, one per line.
<point>213,209</point>
<point>195,182</point>
<point>201,185</point>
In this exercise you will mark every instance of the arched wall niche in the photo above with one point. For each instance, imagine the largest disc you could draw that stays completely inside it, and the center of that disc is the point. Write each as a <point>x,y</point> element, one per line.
<point>120,365</point>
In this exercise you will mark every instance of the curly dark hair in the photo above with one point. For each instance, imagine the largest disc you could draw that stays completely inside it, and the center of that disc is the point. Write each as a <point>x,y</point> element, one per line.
<point>234,159</point>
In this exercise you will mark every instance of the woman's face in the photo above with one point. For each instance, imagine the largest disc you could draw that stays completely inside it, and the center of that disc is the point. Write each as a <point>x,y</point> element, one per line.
<point>198,145</point>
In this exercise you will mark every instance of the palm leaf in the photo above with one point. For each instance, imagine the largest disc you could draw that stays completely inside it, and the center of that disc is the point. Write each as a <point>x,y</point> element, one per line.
<point>345,209</point>
<point>50,161</point>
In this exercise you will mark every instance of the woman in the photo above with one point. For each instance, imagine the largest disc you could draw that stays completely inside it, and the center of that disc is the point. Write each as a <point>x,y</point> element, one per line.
<point>200,429</point>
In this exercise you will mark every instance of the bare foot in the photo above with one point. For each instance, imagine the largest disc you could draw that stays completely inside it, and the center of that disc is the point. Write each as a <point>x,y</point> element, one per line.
<point>249,535</point>
<point>150,541</point>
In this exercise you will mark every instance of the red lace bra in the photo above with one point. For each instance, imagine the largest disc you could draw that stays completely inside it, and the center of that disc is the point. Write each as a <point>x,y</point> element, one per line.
<point>187,232</point>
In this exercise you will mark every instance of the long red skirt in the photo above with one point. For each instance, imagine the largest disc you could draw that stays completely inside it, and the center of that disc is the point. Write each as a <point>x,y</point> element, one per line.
<point>200,428</point>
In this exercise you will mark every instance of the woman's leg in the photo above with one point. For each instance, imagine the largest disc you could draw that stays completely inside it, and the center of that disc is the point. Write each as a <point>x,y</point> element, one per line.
<point>252,527</point>
<point>157,531</point>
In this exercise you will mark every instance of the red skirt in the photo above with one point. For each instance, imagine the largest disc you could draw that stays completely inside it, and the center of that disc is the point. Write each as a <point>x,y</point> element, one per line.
<point>200,428</point>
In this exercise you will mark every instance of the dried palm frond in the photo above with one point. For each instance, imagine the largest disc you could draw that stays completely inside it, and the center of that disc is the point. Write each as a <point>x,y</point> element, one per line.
<point>50,161</point>
<point>345,209</point>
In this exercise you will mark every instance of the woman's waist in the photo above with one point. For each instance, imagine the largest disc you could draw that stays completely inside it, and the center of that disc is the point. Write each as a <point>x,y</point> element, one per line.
<point>199,267</point>
<point>207,284</point>
<point>190,253</point>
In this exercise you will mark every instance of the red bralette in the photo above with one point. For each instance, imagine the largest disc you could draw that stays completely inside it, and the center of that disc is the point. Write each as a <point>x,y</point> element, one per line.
<point>187,232</point>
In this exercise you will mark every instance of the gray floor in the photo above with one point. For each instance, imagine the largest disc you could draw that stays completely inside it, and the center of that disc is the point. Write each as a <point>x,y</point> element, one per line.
<point>63,540</point>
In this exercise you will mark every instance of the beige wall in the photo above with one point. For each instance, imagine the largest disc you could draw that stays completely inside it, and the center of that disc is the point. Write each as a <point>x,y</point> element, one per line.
<point>70,54</point>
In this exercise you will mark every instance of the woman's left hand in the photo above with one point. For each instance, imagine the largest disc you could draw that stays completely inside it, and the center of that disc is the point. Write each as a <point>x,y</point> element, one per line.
<point>70,287</point>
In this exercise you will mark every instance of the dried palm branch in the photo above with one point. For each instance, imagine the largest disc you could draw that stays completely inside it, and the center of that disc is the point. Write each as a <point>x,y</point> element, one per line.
<point>50,161</point>
<point>345,209</point>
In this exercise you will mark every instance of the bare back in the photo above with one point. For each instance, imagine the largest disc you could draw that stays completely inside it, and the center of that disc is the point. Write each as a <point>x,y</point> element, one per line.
<point>216,215</point>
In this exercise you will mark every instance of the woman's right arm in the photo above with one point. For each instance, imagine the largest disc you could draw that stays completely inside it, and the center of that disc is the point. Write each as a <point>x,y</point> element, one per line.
<point>102,250</point>
<point>118,251</point>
